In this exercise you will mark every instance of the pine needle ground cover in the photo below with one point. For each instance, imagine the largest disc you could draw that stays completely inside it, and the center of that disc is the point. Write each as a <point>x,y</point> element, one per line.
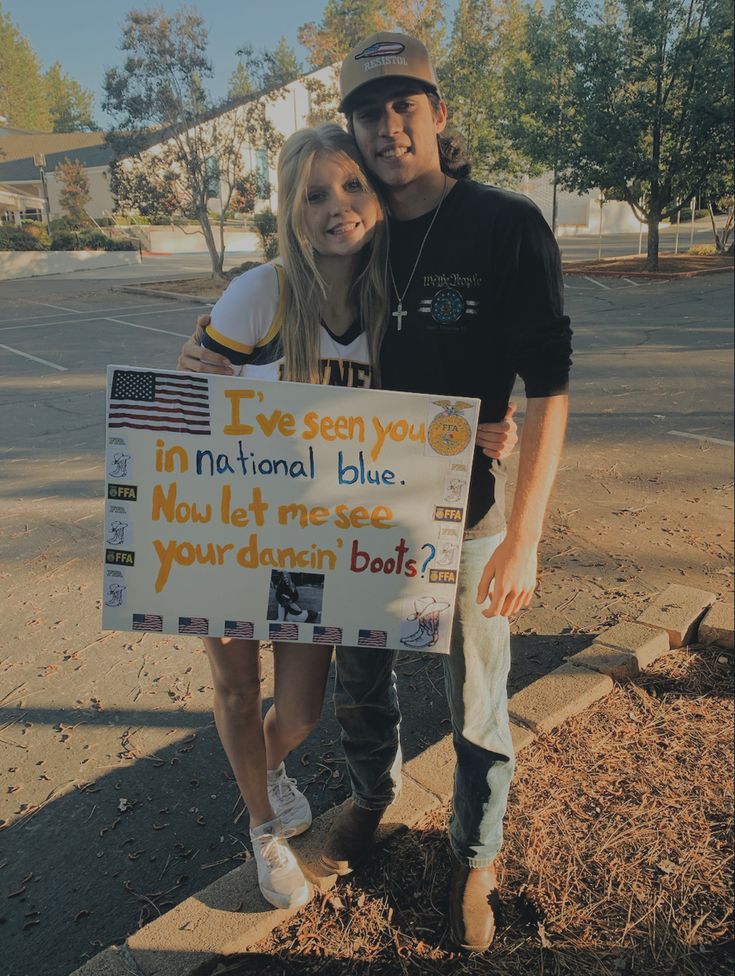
<point>617,860</point>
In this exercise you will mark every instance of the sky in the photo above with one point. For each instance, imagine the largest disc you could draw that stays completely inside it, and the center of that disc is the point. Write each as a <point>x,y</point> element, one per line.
<point>84,35</point>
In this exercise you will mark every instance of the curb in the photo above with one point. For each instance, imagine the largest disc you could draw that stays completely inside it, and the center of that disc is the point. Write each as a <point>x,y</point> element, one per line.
<point>663,275</point>
<point>230,915</point>
<point>174,296</point>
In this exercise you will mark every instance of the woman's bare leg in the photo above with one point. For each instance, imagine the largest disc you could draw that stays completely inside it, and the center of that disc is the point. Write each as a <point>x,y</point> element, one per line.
<point>300,677</point>
<point>235,668</point>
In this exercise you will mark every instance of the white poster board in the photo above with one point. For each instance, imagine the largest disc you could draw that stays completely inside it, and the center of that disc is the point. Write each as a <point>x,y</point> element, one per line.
<point>283,511</point>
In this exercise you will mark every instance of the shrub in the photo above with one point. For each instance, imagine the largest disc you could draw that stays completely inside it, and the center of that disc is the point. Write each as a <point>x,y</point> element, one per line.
<point>82,240</point>
<point>60,225</point>
<point>17,239</point>
<point>38,230</point>
<point>702,249</point>
<point>121,244</point>
<point>241,269</point>
<point>90,240</point>
<point>266,224</point>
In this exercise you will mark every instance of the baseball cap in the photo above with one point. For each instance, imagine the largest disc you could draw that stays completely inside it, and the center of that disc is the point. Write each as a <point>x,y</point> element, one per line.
<point>384,55</point>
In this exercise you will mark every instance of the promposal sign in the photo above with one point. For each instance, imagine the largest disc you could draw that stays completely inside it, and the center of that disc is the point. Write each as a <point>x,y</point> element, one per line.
<point>283,511</point>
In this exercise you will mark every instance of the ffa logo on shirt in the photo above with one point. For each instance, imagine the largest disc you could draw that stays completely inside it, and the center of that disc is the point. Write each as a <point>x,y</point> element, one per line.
<point>447,306</point>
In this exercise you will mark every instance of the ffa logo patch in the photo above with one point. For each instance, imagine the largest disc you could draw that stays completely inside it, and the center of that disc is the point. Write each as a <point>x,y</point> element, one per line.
<point>447,306</point>
<point>449,433</point>
<point>380,49</point>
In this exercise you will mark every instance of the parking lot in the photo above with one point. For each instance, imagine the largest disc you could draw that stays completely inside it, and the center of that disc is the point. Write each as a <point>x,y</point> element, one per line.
<point>116,801</point>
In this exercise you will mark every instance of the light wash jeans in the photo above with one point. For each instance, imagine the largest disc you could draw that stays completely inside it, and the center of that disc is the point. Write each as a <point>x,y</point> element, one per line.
<point>475,676</point>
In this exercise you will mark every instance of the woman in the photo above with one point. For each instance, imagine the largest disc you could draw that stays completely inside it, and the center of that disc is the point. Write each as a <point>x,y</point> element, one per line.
<point>300,320</point>
<point>325,305</point>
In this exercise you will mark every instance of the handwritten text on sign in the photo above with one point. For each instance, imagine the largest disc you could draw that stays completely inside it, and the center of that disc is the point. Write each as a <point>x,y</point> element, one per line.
<point>283,511</point>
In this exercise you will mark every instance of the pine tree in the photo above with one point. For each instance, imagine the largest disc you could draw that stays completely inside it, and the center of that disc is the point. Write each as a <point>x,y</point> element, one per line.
<point>70,106</point>
<point>239,84</point>
<point>271,68</point>
<point>22,90</point>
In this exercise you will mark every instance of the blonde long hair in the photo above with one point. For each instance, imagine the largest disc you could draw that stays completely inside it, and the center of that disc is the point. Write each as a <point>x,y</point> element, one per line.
<point>304,286</point>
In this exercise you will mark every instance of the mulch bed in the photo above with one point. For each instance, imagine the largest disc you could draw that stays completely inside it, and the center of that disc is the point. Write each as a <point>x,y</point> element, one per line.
<point>618,854</point>
<point>668,265</point>
<point>203,286</point>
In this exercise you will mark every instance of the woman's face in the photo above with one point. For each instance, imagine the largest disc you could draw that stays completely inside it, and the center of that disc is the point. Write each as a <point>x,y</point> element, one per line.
<point>340,214</point>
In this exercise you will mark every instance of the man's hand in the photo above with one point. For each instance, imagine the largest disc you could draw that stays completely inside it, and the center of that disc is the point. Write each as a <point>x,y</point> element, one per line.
<point>509,579</point>
<point>196,359</point>
<point>498,440</point>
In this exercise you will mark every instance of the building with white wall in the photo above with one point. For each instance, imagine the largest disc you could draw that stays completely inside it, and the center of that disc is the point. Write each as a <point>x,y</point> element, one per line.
<point>287,109</point>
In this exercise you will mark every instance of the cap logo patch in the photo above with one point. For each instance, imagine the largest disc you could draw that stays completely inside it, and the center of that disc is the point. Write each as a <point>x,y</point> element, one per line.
<point>381,48</point>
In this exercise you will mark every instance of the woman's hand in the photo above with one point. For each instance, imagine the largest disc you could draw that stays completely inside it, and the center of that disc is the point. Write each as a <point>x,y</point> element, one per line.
<point>498,440</point>
<point>196,359</point>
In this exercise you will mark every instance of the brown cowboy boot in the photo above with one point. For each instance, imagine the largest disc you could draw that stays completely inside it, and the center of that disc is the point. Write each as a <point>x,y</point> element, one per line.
<point>350,839</point>
<point>473,903</point>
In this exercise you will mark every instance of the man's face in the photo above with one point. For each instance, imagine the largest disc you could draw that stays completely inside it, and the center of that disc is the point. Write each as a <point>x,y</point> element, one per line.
<point>395,127</point>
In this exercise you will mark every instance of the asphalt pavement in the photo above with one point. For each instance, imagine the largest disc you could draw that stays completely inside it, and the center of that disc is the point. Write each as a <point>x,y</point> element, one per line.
<point>115,797</point>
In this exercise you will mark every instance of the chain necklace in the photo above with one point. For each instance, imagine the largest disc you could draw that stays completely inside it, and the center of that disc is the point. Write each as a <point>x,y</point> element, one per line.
<point>400,312</point>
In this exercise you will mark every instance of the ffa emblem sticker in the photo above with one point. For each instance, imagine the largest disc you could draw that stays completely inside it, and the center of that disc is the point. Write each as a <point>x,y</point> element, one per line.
<point>449,432</point>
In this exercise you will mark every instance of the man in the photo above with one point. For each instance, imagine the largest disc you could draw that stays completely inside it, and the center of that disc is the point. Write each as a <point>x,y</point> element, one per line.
<point>476,299</point>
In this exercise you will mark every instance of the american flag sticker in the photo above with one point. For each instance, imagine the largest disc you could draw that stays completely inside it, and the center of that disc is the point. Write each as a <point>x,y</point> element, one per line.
<point>372,638</point>
<point>194,625</point>
<point>239,628</point>
<point>151,622</point>
<point>174,402</point>
<point>289,632</point>
<point>327,635</point>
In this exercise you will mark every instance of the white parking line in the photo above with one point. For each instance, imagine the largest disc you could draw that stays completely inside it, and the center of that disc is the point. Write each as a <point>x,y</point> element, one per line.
<point>598,283</point>
<point>88,311</point>
<point>631,282</point>
<point>148,328</point>
<point>701,437</point>
<point>98,318</point>
<point>36,359</point>
<point>47,305</point>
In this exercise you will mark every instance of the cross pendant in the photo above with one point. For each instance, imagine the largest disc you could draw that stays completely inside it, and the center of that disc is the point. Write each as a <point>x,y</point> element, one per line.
<point>399,314</point>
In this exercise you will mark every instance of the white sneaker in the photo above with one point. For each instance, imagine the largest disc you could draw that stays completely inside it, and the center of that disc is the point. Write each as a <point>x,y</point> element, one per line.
<point>279,875</point>
<point>288,802</point>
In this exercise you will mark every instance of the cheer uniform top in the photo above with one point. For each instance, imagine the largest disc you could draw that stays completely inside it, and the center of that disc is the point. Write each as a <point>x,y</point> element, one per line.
<point>486,303</point>
<point>245,326</point>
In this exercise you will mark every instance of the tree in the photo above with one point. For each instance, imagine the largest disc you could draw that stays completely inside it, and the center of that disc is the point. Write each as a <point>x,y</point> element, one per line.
<point>173,148</point>
<point>539,84</point>
<point>70,106</point>
<point>486,37</point>
<point>342,25</point>
<point>271,69</point>
<point>239,84</point>
<point>420,18</point>
<point>653,95</point>
<point>323,102</point>
<point>246,193</point>
<point>344,22</point>
<point>22,94</point>
<point>74,195</point>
